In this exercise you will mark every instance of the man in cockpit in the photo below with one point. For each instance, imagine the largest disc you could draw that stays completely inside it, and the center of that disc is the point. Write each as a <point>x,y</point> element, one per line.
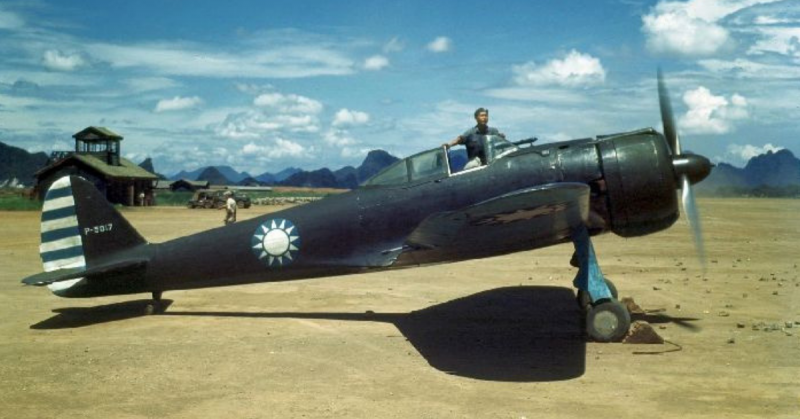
<point>476,155</point>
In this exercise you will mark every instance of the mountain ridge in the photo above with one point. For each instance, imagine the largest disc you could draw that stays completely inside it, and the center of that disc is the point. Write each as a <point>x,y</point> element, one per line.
<point>772,169</point>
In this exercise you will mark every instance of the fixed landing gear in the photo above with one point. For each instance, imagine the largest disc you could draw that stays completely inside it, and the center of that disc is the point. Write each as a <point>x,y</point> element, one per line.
<point>607,320</point>
<point>156,306</point>
<point>585,301</point>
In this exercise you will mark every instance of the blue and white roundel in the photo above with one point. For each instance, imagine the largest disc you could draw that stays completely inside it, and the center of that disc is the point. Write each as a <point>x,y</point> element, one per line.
<point>276,242</point>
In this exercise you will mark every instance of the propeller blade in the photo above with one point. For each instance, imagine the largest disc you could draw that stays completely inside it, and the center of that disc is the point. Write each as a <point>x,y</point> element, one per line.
<point>692,214</point>
<point>667,118</point>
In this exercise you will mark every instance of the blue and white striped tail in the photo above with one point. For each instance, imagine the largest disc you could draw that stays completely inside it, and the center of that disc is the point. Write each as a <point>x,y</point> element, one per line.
<point>62,246</point>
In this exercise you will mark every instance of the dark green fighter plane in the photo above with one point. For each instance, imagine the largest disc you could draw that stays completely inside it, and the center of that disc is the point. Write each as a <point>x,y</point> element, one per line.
<point>415,212</point>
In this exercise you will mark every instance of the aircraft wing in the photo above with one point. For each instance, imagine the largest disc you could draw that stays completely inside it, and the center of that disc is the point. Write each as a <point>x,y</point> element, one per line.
<point>59,275</point>
<point>523,219</point>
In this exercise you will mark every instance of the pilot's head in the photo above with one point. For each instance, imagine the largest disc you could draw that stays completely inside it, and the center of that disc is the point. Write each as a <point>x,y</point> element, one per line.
<point>482,116</point>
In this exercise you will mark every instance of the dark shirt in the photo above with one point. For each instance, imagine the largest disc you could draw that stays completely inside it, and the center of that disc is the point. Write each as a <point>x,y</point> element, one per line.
<point>473,140</point>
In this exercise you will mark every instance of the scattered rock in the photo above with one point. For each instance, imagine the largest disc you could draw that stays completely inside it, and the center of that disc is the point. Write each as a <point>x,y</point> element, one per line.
<point>732,340</point>
<point>740,325</point>
<point>631,305</point>
<point>788,325</point>
<point>642,332</point>
<point>723,314</point>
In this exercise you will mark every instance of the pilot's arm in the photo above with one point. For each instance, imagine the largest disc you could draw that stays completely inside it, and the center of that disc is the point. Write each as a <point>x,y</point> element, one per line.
<point>456,141</point>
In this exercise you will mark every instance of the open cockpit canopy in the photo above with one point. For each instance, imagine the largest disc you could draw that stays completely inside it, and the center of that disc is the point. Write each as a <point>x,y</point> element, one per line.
<point>436,164</point>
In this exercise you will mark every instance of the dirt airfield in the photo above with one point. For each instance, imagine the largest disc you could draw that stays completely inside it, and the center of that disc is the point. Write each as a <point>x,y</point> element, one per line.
<point>493,338</point>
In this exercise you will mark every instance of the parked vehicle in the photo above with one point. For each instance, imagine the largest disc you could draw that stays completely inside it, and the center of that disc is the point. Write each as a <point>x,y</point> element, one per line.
<point>215,198</point>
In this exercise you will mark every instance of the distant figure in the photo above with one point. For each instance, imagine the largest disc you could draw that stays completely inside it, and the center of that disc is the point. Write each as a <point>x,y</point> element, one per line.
<point>150,199</point>
<point>476,155</point>
<point>141,199</point>
<point>230,208</point>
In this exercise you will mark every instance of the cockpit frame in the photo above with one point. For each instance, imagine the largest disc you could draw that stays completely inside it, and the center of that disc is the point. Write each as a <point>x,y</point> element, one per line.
<point>434,164</point>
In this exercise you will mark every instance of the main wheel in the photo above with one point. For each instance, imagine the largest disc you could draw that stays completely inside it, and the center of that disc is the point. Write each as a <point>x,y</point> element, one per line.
<point>608,321</point>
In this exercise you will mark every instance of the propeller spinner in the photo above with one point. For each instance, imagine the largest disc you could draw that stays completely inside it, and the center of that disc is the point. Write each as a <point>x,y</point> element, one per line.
<point>689,168</point>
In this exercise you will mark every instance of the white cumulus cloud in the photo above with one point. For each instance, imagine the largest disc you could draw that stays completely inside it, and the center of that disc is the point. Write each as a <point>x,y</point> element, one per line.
<point>178,103</point>
<point>257,124</point>
<point>575,69</point>
<point>348,117</point>
<point>278,148</point>
<point>440,44</point>
<point>711,114</point>
<point>59,61</point>
<point>290,103</point>
<point>692,28</point>
<point>274,114</point>
<point>376,62</point>
<point>736,153</point>
<point>780,40</point>
<point>338,138</point>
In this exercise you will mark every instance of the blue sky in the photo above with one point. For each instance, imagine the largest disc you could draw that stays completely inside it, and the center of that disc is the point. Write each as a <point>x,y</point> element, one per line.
<point>263,85</point>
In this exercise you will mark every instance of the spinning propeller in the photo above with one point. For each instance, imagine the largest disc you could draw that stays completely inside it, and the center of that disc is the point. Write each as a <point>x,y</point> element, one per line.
<point>688,168</point>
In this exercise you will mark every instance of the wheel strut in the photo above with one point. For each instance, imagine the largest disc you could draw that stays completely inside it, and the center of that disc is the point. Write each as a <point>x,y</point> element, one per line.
<point>607,320</point>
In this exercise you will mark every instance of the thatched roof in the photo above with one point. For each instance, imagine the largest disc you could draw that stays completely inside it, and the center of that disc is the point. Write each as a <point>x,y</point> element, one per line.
<point>96,133</point>
<point>126,168</point>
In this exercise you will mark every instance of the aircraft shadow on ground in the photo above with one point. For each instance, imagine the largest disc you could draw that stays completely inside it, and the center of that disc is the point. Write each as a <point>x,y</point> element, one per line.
<point>517,334</point>
<point>73,317</point>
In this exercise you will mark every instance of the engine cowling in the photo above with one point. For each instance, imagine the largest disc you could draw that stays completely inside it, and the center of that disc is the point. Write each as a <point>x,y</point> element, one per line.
<point>640,182</point>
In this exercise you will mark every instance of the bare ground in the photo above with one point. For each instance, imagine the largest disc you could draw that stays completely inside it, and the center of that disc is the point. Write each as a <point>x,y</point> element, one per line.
<point>498,337</point>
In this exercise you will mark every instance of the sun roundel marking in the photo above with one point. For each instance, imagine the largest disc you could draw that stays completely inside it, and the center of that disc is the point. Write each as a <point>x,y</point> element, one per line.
<point>276,242</point>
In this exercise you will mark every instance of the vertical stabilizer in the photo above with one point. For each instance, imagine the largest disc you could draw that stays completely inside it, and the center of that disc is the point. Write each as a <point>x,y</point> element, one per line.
<point>80,231</point>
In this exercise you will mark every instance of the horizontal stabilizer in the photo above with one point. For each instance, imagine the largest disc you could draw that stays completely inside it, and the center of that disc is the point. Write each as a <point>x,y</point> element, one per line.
<point>46,278</point>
